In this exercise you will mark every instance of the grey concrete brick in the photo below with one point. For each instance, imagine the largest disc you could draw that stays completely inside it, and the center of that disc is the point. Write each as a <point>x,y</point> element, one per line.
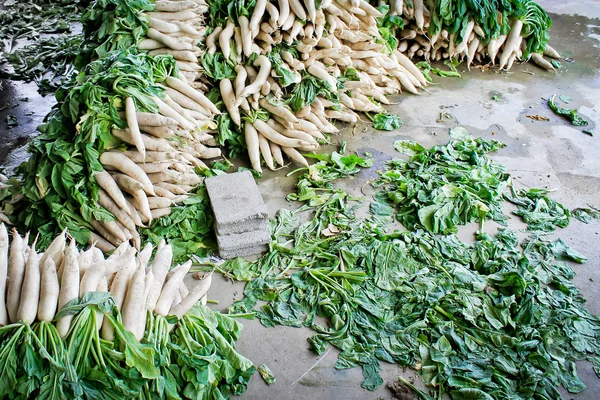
<point>235,199</point>
<point>240,227</point>
<point>244,252</point>
<point>246,239</point>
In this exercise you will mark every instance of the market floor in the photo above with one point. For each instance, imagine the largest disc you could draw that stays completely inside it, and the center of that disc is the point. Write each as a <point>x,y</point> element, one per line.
<point>548,154</point>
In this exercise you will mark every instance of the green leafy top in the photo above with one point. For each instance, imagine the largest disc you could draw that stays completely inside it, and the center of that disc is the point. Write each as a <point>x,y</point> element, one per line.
<point>442,187</point>
<point>110,25</point>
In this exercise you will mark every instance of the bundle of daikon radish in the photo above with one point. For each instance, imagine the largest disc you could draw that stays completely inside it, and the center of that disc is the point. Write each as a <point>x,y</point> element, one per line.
<point>120,326</point>
<point>429,35</point>
<point>38,285</point>
<point>275,54</point>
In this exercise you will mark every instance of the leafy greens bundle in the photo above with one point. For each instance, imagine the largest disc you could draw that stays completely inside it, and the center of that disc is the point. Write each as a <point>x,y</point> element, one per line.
<point>482,320</point>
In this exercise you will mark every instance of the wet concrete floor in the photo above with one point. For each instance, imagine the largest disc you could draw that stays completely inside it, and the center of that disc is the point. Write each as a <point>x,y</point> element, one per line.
<point>548,154</point>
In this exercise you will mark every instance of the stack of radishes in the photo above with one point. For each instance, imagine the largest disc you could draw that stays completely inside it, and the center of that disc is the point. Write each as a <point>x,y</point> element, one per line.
<point>416,42</point>
<point>350,41</point>
<point>157,170</point>
<point>39,285</point>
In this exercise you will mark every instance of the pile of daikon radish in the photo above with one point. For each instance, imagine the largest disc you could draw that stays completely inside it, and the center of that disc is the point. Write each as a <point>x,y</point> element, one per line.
<point>322,42</point>
<point>159,167</point>
<point>416,42</point>
<point>35,286</point>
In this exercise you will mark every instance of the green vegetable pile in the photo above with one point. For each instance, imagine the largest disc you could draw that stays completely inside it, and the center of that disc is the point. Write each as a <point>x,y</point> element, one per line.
<point>495,319</point>
<point>445,186</point>
<point>196,359</point>
<point>51,47</point>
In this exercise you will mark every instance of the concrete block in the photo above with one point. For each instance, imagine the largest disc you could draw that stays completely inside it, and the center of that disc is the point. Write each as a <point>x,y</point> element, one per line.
<point>246,239</point>
<point>245,251</point>
<point>235,200</point>
<point>240,227</point>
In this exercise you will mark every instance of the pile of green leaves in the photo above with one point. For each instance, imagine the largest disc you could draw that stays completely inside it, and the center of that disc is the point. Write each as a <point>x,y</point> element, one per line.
<point>110,25</point>
<point>196,359</point>
<point>44,26</point>
<point>316,184</point>
<point>585,214</point>
<point>482,320</point>
<point>442,187</point>
<point>30,19</point>
<point>48,62</point>
<point>57,182</point>
<point>539,211</point>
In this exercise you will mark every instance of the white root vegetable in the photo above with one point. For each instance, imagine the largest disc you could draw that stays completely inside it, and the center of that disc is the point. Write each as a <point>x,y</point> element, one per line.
<point>170,289</point>
<point>49,291</point>
<point>265,150</point>
<point>280,111</point>
<point>246,36</point>
<point>274,136</point>
<point>412,68</point>
<point>159,202</point>
<point>133,304</point>
<point>276,153</point>
<point>295,155</point>
<point>141,204</point>
<point>230,101</point>
<point>134,129</point>
<point>224,38</point>
<point>173,16</point>
<point>160,212</point>
<point>167,111</point>
<point>162,26</point>
<point>512,41</point>
<point>297,8</point>
<point>542,62</point>
<point>550,52</point>
<point>54,251</point>
<point>93,275</point>
<point>264,70</point>
<point>149,119</point>
<point>111,188</point>
<point>16,272</point>
<point>159,267</point>
<point>192,93</point>
<point>124,164</point>
<point>168,40</point>
<point>100,242</point>
<point>174,6</point>
<point>69,286</point>
<point>252,142</point>
<point>118,290</point>
<point>259,10</point>
<point>30,290</point>
<point>150,44</point>
<point>284,11</point>
<point>180,55</point>
<point>127,183</point>
<point>192,298</point>
<point>186,102</point>
<point>4,244</point>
